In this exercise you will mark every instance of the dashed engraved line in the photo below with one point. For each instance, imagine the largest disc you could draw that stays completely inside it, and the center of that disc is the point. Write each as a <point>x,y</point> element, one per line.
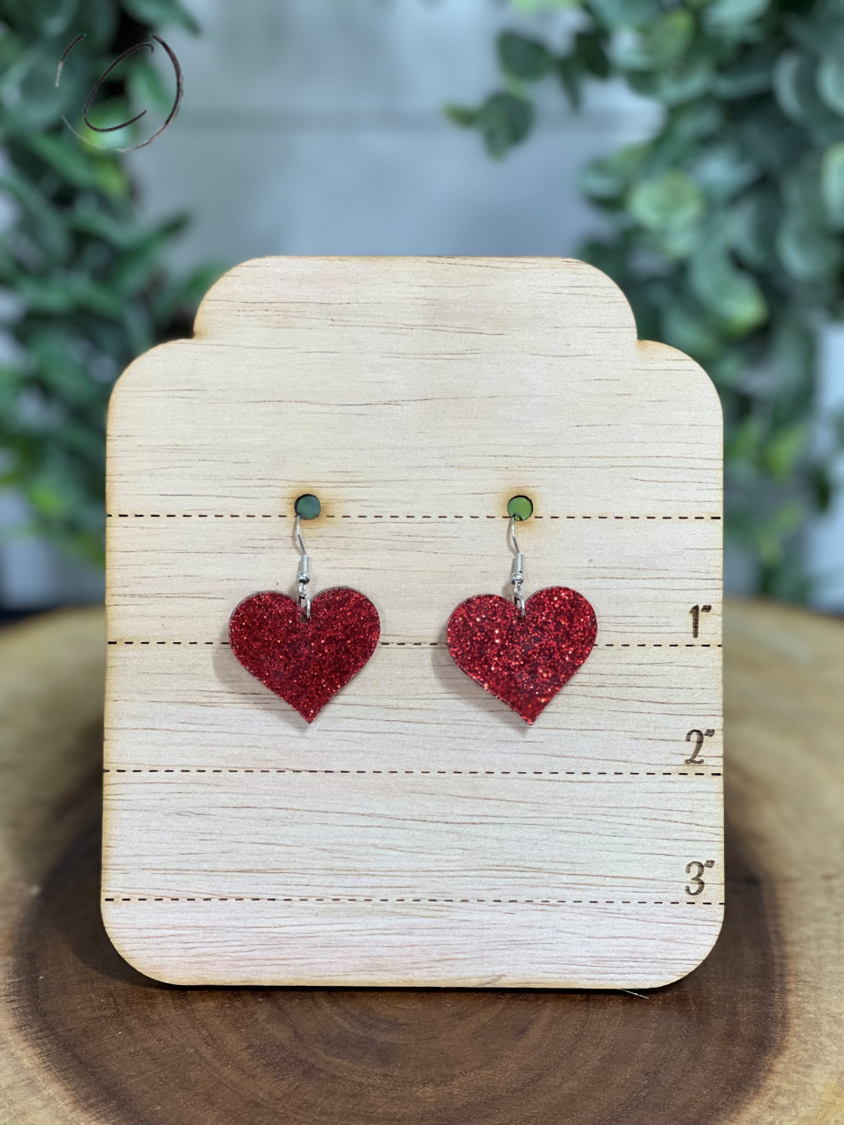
<point>332,516</point>
<point>410,899</point>
<point>224,644</point>
<point>433,773</point>
<point>444,644</point>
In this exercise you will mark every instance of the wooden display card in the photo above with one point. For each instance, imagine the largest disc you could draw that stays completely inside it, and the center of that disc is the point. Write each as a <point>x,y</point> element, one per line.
<point>418,832</point>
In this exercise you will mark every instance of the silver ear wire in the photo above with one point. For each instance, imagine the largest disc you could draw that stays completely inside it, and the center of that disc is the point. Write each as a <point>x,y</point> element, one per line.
<point>304,576</point>
<point>517,573</point>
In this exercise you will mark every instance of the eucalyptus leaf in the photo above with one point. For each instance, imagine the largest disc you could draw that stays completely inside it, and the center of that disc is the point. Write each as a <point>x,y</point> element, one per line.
<point>158,13</point>
<point>57,17</point>
<point>744,445</point>
<point>671,200</point>
<point>625,13</point>
<point>589,49</point>
<point>39,20</point>
<point>138,325</point>
<point>830,82</point>
<point>47,228</point>
<point>723,171</point>
<point>832,185</point>
<point>12,381</point>
<point>727,370</point>
<point>112,180</point>
<point>691,329</point>
<point>523,57</point>
<point>68,380</point>
<point>676,242</point>
<point>50,296</point>
<point>147,88</point>
<point>819,27</point>
<point>33,98</point>
<point>750,74</point>
<point>83,168</point>
<point>64,155</point>
<point>569,73</point>
<point>783,449</point>
<point>98,19</point>
<point>138,266</point>
<point>110,228</point>
<point>693,123</point>
<point>801,190</point>
<point>825,128</point>
<point>794,85</point>
<point>823,487</point>
<point>50,497</point>
<point>793,352</point>
<point>728,291</point>
<point>731,15</point>
<point>609,177</point>
<point>504,121</point>
<point>683,81</point>
<point>108,115</point>
<point>95,296</point>
<point>464,116</point>
<point>81,443</point>
<point>808,252</point>
<point>752,226</point>
<point>775,529</point>
<point>772,140</point>
<point>659,44</point>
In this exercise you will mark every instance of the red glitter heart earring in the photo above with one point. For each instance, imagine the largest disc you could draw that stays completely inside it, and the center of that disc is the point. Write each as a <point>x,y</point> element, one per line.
<point>305,650</point>
<point>523,651</point>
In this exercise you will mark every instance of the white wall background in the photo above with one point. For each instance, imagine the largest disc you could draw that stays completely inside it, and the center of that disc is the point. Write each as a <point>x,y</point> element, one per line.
<point>316,127</point>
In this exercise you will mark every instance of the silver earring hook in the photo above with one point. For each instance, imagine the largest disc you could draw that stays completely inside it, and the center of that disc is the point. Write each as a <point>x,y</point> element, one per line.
<point>517,573</point>
<point>302,547</point>
<point>304,575</point>
<point>513,535</point>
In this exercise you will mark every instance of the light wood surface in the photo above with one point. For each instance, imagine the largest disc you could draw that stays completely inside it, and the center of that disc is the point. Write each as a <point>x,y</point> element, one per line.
<point>418,832</point>
<point>752,1037</point>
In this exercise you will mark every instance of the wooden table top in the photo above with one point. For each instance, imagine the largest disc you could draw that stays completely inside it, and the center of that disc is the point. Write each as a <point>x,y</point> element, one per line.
<point>756,1035</point>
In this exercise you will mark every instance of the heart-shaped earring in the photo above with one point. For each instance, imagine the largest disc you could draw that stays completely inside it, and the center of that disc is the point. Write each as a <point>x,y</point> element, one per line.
<point>305,650</point>
<point>523,651</point>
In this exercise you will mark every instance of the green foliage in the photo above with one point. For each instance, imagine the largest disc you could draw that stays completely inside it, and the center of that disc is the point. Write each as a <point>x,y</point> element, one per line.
<point>727,227</point>
<point>504,119</point>
<point>87,287</point>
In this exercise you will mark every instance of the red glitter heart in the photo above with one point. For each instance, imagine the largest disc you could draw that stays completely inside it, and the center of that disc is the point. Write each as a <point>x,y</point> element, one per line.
<point>305,662</point>
<point>523,661</point>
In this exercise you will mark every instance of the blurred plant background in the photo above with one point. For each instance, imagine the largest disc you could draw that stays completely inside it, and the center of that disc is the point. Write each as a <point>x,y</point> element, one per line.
<point>726,229</point>
<point>85,285</point>
<point>696,154</point>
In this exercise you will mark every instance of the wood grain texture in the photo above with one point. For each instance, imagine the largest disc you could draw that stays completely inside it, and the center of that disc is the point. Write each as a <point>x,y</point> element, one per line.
<point>751,1038</point>
<point>418,832</point>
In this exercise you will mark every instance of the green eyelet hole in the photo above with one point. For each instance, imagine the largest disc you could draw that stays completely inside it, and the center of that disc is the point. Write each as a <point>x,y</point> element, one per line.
<point>521,507</point>
<point>307,507</point>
